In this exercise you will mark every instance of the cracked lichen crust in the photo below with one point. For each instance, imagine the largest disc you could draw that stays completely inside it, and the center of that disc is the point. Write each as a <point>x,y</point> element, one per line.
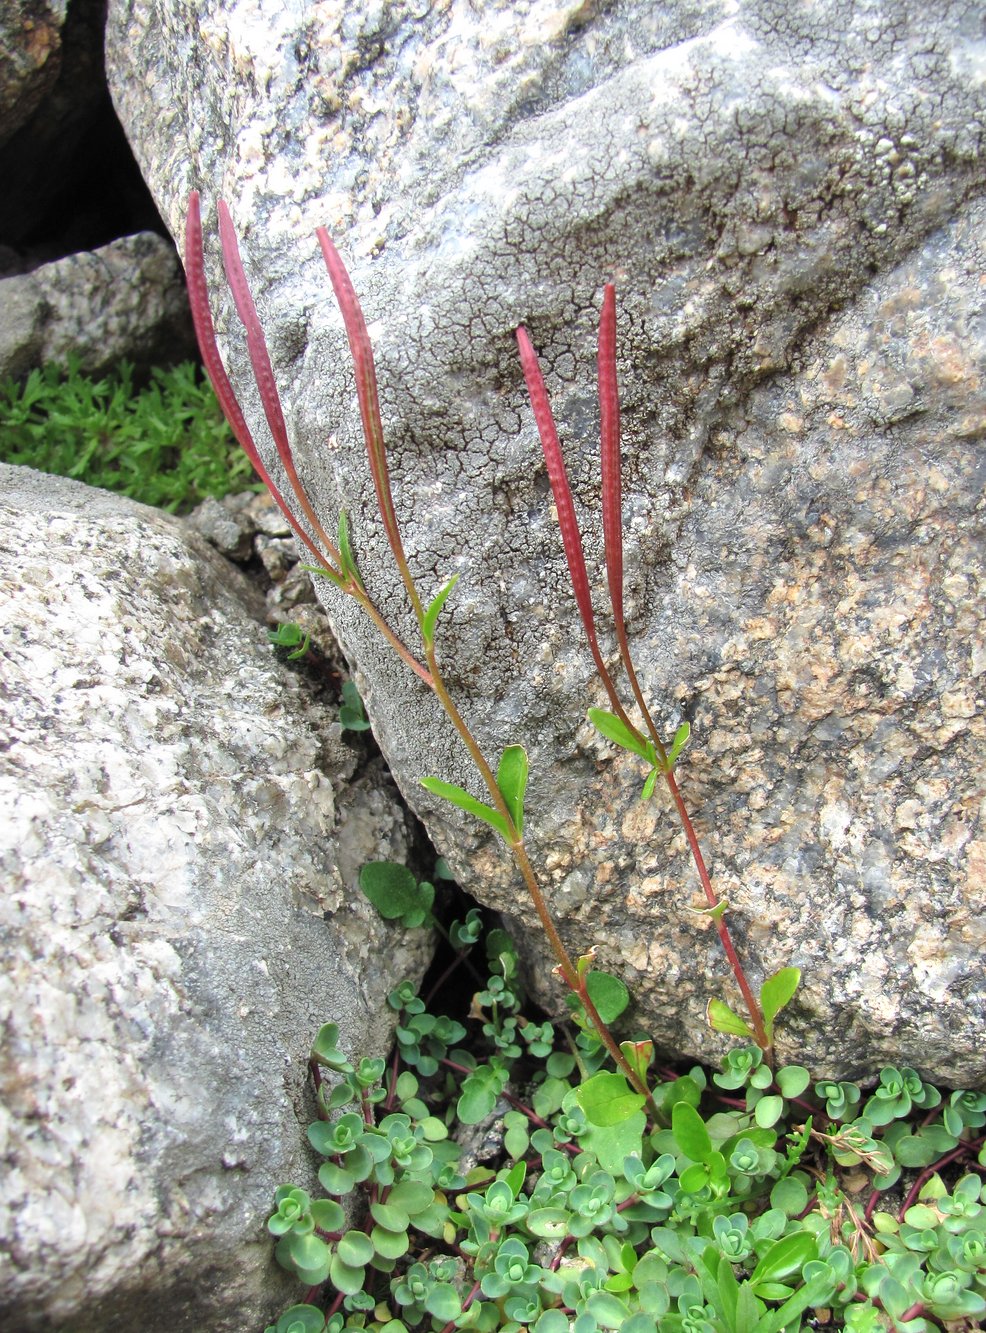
<point>179,850</point>
<point>760,180</point>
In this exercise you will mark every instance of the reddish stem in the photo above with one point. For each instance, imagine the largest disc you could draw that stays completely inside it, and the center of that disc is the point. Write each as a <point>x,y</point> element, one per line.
<point>725,939</point>
<point>567,522</point>
<point>205,332</point>
<point>369,406</point>
<point>928,1172</point>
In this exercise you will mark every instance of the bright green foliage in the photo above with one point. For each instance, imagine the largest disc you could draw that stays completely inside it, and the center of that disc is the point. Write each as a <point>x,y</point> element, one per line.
<point>166,444</point>
<point>292,637</point>
<point>352,714</point>
<point>396,894</point>
<point>727,1216</point>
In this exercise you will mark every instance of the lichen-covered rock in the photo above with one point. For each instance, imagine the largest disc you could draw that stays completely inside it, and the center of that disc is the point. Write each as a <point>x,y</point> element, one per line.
<point>179,847</point>
<point>30,58</point>
<point>791,200</point>
<point>125,300</point>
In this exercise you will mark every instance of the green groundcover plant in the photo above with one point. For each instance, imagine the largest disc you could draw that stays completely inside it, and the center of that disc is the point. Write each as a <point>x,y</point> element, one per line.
<point>752,1202</point>
<point>621,1196</point>
<point>166,444</point>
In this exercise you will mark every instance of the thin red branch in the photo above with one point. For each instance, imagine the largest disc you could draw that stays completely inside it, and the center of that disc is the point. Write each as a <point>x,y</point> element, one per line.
<point>369,405</point>
<point>205,332</point>
<point>567,522</point>
<point>263,372</point>
<point>612,486</point>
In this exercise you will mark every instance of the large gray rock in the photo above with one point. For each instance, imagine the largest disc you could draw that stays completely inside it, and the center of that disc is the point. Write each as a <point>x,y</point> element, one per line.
<point>125,300</point>
<point>790,198</point>
<point>179,847</point>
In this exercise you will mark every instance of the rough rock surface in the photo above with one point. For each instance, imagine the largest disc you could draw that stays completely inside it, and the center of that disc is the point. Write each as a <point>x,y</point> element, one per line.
<point>30,58</point>
<point>791,201</point>
<point>179,847</point>
<point>126,299</point>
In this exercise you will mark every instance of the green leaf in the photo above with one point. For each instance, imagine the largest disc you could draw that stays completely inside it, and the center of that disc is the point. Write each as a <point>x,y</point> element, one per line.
<point>443,1302</point>
<point>511,778</point>
<point>301,1319</point>
<point>608,994</point>
<point>391,888</point>
<point>411,1196</point>
<point>548,1223</point>
<point>776,992</point>
<point>325,1049</point>
<point>639,1056</point>
<point>722,1018</point>
<point>786,1256</point>
<point>690,1132</point>
<point>610,726</point>
<point>476,1101</point>
<point>355,1249</point>
<point>435,610</point>
<point>650,783</point>
<point>680,741</point>
<point>390,1244</point>
<point>345,550</point>
<point>768,1111</point>
<point>461,798</point>
<point>792,1080</point>
<point>613,1144</point>
<point>608,1099</point>
<point>328,1215</point>
<point>345,1277</point>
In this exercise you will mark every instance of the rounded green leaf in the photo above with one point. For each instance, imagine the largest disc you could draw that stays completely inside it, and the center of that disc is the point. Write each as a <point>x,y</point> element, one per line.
<point>768,1111</point>
<point>389,1215</point>
<point>608,1099</point>
<point>389,1244</point>
<point>355,1249</point>
<point>442,1302</point>
<point>608,994</point>
<point>690,1132</point>
<point>792,1080</point>
<point>345,1277</point>
<point>391,888</point>
<point>335,1180</point>
<point>790,1196</point>
<point>411,1196</point>
<point>548,1223</point>
<point>301,1319</point>
<point>328,1215</point>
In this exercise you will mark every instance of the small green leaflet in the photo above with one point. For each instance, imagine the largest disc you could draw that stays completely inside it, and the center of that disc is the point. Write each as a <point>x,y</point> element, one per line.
<point>649,785</point>
<point>435,610</point>
<point>458,796</point>
<point>511,778</point>
<point>609,995</point>
<point>608,1099</point>
<point>690,1132</point>
<point>331,574</point>
<point>346,551</point>
<point>610,726</point>
<point>722,1018</point>
<point>679,742</point>
<point>776,992</point>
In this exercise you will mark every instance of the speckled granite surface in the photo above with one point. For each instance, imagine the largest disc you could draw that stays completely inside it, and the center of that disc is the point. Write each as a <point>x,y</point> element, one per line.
<point>179,844</point>
<point>790,200</point>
